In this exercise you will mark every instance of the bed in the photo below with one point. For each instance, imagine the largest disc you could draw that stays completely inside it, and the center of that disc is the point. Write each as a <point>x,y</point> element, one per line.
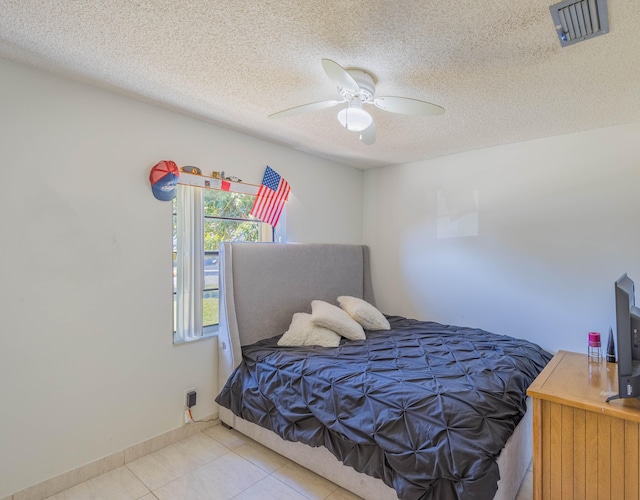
<point>264,285</point>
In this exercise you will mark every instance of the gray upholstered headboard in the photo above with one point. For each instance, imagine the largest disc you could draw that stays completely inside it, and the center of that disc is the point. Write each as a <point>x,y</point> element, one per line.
<point>263,284</point>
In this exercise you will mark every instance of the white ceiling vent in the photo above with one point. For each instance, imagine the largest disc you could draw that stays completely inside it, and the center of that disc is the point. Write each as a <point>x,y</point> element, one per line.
<point>578,20</point>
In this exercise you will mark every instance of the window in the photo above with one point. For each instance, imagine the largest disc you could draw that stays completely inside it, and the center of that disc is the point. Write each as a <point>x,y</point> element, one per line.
<point>202,219</point>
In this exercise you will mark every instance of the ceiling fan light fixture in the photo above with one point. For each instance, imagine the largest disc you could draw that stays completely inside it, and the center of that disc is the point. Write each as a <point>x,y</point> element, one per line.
<point>357,87</point>
<point>354,118</point>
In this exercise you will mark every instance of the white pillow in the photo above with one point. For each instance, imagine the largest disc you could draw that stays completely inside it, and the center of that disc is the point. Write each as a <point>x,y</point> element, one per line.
<point>364,313</point>
<point>335,319</point>
<point>302,331</point>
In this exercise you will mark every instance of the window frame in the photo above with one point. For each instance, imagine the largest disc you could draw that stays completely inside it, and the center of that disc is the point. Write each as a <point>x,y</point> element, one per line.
<point>189,270</point>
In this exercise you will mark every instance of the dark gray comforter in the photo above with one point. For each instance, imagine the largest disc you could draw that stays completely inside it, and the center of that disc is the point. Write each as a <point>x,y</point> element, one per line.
<point>425,407</point>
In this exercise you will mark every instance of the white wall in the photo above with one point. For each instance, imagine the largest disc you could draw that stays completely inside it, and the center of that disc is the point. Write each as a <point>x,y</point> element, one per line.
<point>87,364</point>
<point>558,221</point>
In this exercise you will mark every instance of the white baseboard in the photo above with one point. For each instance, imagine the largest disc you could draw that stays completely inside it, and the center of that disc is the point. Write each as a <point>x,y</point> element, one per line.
<point>88,471</point>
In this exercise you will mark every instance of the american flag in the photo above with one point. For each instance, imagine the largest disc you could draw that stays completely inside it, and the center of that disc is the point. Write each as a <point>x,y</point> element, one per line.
<point>271,197</point>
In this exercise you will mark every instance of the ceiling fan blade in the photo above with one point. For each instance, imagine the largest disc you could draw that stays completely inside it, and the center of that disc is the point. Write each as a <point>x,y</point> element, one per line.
<point>305,108</point>
<point>368,135</point>
<point>407,106</point>
<point>339,75</point>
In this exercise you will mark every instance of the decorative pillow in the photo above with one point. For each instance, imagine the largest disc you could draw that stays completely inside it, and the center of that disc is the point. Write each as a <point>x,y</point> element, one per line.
<point>302,331</point>
<point>335,319</point>
<point>364,313</point>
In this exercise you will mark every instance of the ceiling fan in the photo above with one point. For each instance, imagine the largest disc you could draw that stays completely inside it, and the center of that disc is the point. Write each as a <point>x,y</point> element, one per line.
<point>357,87</point>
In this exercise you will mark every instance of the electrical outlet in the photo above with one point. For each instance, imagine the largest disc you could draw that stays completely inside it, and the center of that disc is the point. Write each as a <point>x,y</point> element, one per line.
<point>191,399</point>
<point>186,396</point>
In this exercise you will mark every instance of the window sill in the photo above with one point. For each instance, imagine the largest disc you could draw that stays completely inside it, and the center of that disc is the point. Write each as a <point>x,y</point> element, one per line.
<point>206,335</point>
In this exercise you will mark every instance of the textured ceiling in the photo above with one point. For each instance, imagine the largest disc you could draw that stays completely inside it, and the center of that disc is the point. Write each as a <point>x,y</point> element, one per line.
<point>496,67</point>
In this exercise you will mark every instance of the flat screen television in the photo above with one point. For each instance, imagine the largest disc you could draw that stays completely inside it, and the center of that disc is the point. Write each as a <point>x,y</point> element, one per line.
<point>628,335</point>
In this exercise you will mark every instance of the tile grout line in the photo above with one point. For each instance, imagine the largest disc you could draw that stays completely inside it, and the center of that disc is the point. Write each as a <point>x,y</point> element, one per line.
<point>191,471</point>
<point>139,479</point>
<point>51,486</point>
<point>294,489</point>
<point>337,487</point>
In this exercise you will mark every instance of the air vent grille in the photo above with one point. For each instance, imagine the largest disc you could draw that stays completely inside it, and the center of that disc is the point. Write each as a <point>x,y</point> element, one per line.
<point>576,21</point>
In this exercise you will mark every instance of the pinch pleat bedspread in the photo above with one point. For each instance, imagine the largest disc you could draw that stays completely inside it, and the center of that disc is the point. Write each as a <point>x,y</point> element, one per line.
<point>425,407</point>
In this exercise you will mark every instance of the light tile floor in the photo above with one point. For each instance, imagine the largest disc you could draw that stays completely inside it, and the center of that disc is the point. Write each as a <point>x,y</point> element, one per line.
<point>219,464</point>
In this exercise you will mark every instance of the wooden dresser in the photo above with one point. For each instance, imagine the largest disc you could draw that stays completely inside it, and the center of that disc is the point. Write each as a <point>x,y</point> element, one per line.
<point>583,447</point>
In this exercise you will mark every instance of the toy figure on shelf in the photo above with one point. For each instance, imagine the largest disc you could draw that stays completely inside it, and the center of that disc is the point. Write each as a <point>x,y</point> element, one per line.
<point>228,177</point>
